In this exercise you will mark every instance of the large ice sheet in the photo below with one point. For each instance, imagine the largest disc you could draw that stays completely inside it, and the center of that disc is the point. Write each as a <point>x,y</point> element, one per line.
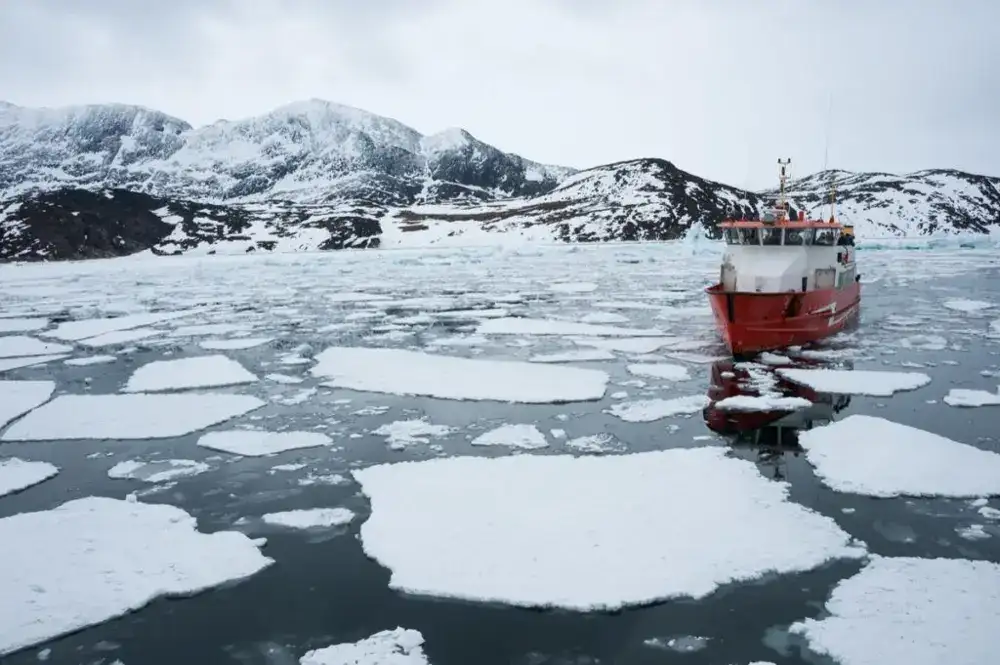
<point>257,443</point>
<point>879,457</point>
<point>855,382</point>
<point>401,646</point>
<point>18,474</point>
<point>21,324</point>
<point>19,397</point>
<point>913,611</point>
<point>522,326</point>
<point>403,372</point>
<point>619,530</point>
<point>12,346</point>
<point>136,416</point>
<point>77,330</point>
<point>194,372</point>
<point>103,558</point>
<point>310,518</point>
<point>15,363</point>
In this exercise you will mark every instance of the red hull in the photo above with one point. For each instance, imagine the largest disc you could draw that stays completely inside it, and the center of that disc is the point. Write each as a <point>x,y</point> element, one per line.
<point>754,322</point>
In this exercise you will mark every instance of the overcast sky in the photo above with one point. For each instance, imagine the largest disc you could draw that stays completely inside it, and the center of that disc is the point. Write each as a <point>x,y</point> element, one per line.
<point>720,87</point>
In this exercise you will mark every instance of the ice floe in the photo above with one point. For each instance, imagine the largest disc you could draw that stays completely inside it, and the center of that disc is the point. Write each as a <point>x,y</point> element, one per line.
<point>966,305</point>
<point>972,398</point>
<point>855,382</point>
<point>878,457</point>
<point>664,371</point>
<point>257,443</point>
<point>401,646</point>
<point>135,416</point>
<point>405,372</point>
<point>89,360</point>
<point>17,474</point>
<point>196,330</point>
<point>913,611</point>
<point>235,344</point>
<point>74,331</point>
<point>595,444</point>
<point>183,373</point>
<point>118,337</point>
<point>15,363</point>
<point>573,355</point>
<point>405,433</point>
<point>764,403</point>
<point>18,324</point>
<point>520,326</point>
<point>104,558</point>
<point>628,345</point>
<point>515,435</point>
<point>19,397</point>
<point>310,518</point>
<point>648,410</point>
<point>283,378</point>
<point>157,471</point>
<point>12,346</point>
<point>583,549</point>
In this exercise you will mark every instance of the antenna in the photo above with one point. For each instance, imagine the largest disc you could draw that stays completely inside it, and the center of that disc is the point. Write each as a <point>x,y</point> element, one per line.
<point>782,177</point>
<point>826,154</point>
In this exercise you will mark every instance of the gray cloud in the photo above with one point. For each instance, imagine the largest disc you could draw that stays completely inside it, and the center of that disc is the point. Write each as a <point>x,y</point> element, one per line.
<point>720,87</point>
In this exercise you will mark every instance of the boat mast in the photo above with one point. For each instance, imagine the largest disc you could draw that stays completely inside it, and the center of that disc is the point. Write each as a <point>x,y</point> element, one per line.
<point>782,177</point>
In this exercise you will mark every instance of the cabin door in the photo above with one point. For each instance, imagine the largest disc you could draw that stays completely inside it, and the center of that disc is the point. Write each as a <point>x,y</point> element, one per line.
<point>826,278</point>
<point>728,277</point>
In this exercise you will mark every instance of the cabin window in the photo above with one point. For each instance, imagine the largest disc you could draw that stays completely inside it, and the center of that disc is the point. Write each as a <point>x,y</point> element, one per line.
<point>749,237</point>
<point>826,237</point>
<point>795,236</point>
<point>732,236</point>
<point>770,236</point>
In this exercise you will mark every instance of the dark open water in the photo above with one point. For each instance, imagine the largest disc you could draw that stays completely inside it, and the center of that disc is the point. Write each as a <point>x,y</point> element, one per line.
<point>324,591</point>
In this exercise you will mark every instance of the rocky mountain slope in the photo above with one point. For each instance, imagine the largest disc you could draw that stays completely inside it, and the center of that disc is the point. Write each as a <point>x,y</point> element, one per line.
<point>107,180</point>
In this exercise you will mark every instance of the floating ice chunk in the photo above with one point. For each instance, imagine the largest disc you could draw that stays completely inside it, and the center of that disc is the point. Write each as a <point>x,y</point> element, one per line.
<point>924,342</point>
<point>596,443</point>
<point>19,397</point>
<point>648,410</point>
<point>209,329</point>
<point>401,646</point>
<point>120,337</point>
<point>995,328</point>
<point>877,457</point>
<point>12,346</point>
<point>604,317</point>
<point>236,344</point>
<point>104,558</point>
<point>967,397</point>
<point>403,372</point>
<point>573,287</point>
<point>16,324</point>
<point>762,403</point>
<point>194,372</point>
<point>698,358</point>
<point>989,513</point>
<point>404,433</point>
<point>633,345</point>
<point>679,643</point>
<point>310,518</point>
<point>973,532</point>
<point>89,360</point>
<point>664,371</point>
<point>138,416</point>
<point>158,471</point>
<point>14,363</point>
<point>769,358</point>
<point>913,611</point>
<point>354,297</point>
<point>574,355</point>
<point>519,326</point>
<point>283,378</point>
<point>966,305</point>
<point>256,443</point>
<point>585,550</point>
<point>458,340</point>
<point>18,474</point>
<point>73,331</point>
<point>520,435</point>
<point>855,382</point>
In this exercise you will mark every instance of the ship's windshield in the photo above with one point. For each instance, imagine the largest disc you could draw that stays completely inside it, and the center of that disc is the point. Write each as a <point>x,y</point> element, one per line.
<point>749,237</point>
<point>799,236</point>
<point>770,236</point>
<point>732,236</point>
<point>826,237</point>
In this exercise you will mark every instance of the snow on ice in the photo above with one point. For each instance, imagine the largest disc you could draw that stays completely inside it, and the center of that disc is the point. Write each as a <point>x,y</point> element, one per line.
<point>583,549</point>
<point>520,326</point>
<point>972,398</point>
<point>518,435</point>
<point>310,518</point>
<point>16,324</point>
<point>104,558</point>
<point>913,611</point>
<point>572,355</point>
<point>236,344</point>
<point>15,363</point>
<point>404,372</point>
<point>12,346</point>
<point>648,410</point>
<point>89,360</point>
<point>157,471</point>
<point>257,443</point>
<point>194,372</point>
<point>74,331</point>
<point>855,382</point>
<point>878,457</point>
<point>405,433</point>
<point>765,403</point>
<point>135,416</point>
<point>18,474</point>
<point>401,646</point>
<point>663,371</point>
<point>20,397</point>
<point>966,305</point>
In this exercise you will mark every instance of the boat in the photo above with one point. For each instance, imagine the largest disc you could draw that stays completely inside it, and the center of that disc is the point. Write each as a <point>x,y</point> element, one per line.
<point>785,280</point>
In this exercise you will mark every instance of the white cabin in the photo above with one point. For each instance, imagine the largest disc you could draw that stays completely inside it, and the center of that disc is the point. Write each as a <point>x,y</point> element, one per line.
<point>763,257</point>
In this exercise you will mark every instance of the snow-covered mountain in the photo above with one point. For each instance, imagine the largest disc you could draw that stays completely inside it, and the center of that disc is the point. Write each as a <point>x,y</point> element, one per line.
<point>883,204</point>
<point>107,180</point>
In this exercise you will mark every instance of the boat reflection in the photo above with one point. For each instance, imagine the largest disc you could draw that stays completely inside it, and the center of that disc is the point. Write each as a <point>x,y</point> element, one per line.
<point>773,433</point>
